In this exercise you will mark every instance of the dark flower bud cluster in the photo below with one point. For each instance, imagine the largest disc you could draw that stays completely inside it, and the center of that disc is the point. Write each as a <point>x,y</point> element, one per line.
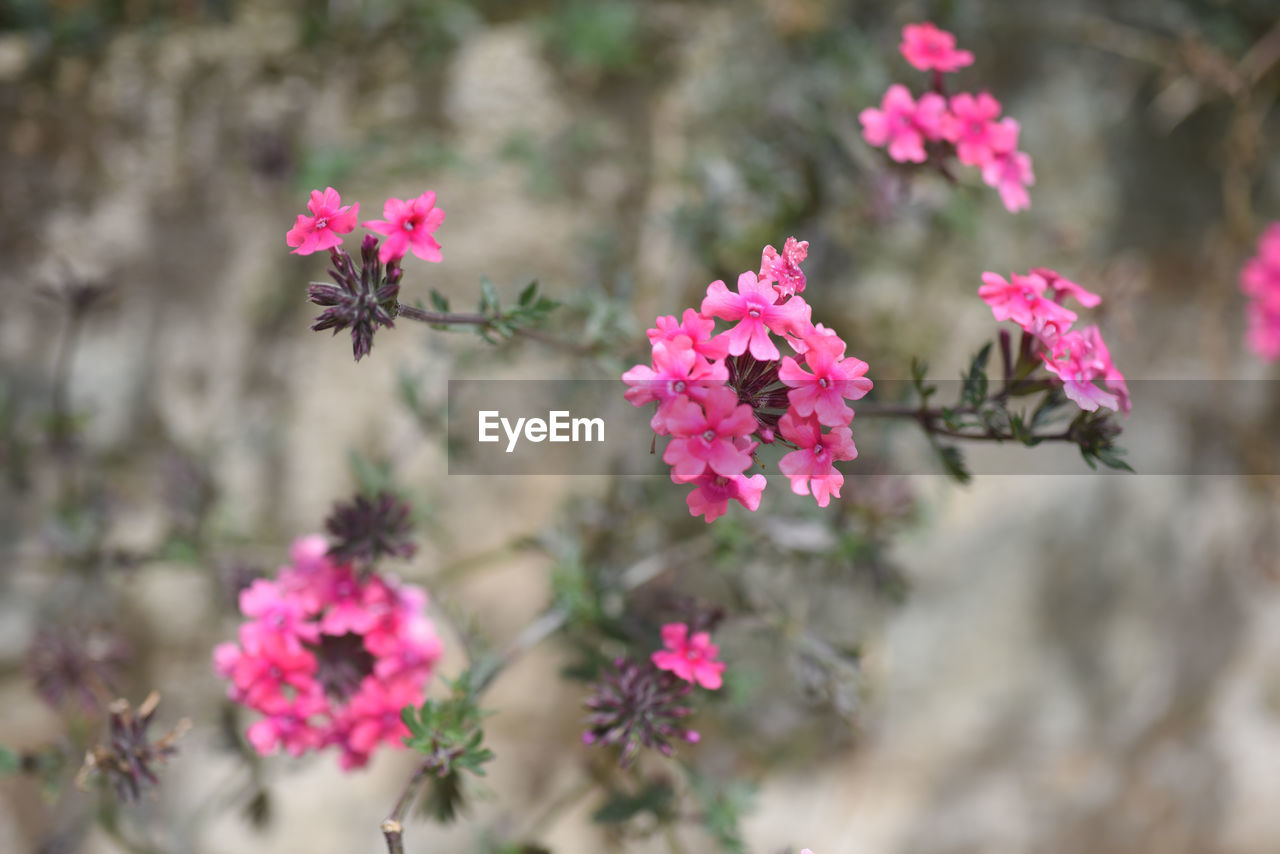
<point>367,529</point>
<point>128,758</point>
<point>70,663</point>
<point>637,705</point>
<point>363,298</point>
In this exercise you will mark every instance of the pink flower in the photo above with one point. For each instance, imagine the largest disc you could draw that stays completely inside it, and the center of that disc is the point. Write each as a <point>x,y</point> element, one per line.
<point>409,226</point>
<point>971,125</point>
<point>1022,303</point>
<point>324,653</point>
<point>1263,333</point>
<point>690,658</point>
<point>834,379</point>
<point>811,468</point>
<point>328,220</point>
<point>904,124</point>
<point>1064,287</point>
<point>782,270</point>
<point>1080,359</point>
<point>677,372</point>
<point>1260,280</point>
<point>753,306</point>
<point>698,329</point>
<point>710,497</point>
<point>1009,170</point>
<point>289,724</point>
<point>929,48</point>
<point>704,435</point>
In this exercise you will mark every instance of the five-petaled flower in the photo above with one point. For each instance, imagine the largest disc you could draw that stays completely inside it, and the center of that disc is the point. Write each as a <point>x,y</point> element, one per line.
<point>903,124</point>
<point>409,225</point>
<point>691,658</point>
<point>329,218</point>
<point>931,49</point>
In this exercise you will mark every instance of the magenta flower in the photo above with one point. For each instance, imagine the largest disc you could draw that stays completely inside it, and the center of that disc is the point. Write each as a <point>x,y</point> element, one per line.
<point>782,269</point>
<point>677,372</point>
<point>903,124</point>
<point>698,329</point>
<point>756,311</point>
<point>710,497</point>
<point>704,435</point>
<point>1021,302</point>
<point>1260,280</point>
<point>834,379</point>
<point>409,225</point>
<point>1080,359</point>
<point>328,657</point>
<point>1009,170</point>
<point>931,49</point>
<point>328,220</point>
<point>690,658</point>
<point>971,125</point>
<point>811,468</point>
<point>1064,287</point>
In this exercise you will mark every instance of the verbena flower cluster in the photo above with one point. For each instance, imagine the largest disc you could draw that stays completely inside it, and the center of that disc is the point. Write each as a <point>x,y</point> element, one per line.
<point>642,704</point>
<point>968,125</point>
<point>720,395</point>
<point>1260,280</point>
<point>329,656</point>
<point>1078,358</point>
<point>365,295</point>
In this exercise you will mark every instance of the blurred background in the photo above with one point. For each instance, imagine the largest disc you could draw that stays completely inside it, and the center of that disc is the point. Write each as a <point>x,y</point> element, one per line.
<point>1027,663</point>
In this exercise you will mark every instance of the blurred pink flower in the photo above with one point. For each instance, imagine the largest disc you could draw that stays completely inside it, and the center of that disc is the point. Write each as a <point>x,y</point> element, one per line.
<point>930,49</point>
<point>904,124</point>
<point>971,125</point>
<point>1009,170</point>
<point>409,225</point>
<point>1022,302</point>
<point>1260,280</point>
<point>690,658</point>
<point>328,220</point>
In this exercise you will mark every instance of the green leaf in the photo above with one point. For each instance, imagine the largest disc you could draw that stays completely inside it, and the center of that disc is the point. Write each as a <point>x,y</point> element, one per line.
<point>529,294</point>
<point>656,798</point>
<point>953,462</point>
<point>488,297</point>
<point>439,301</point>
<point>975,381</point>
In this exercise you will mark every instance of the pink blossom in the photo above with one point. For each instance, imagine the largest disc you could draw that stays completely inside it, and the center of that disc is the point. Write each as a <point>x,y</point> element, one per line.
<point>1009,170</point>
<point>1260,280</point>
<point>698,329</point>
<point>834,379</point>
<point>324,654</point>
<point>903,124</point>
<point>329,218</point>
<point>1263,331</point>
<point>1021,302</point>
<point>710,497</point>
<point>782,269</point>
<point>754,307</point>
<point>1080,359</point>
<point>811,468</point>
<point>690,658</point>
<point>409,225</point>
<point>677,372</point>
<point>704,435</point>
<point>929,48</point>
<point>289,724</point>
<point>1064,287</point>
<point>971,125</point>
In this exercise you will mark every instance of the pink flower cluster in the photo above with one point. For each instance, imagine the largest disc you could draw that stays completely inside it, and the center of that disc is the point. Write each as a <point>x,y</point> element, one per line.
<point>1079,358</point>
<point>408,226</point>
<point>691,658</point>
<point>721,395</point>
<point>969,124</point>
<point>328,657</point>
<point>1260,280</point>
